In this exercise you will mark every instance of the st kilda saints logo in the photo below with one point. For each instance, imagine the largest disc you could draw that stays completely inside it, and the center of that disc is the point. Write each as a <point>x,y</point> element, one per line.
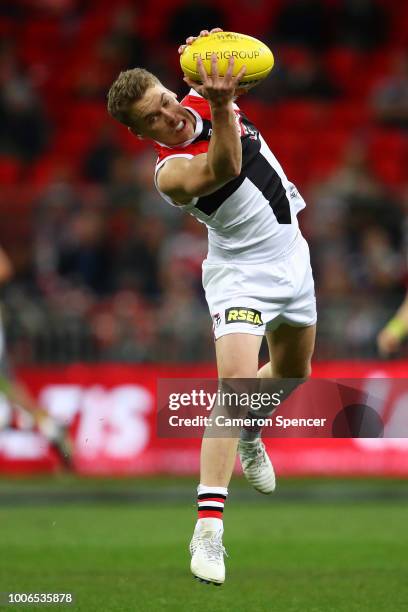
<point>239,314</point>
<point>217,319</point>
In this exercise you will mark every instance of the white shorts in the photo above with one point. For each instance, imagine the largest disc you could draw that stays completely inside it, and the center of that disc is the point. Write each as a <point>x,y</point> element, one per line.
<point>254,298</point>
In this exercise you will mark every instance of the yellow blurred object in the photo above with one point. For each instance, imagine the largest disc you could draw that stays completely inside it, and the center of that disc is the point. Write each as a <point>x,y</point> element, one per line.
<point>397,328</point>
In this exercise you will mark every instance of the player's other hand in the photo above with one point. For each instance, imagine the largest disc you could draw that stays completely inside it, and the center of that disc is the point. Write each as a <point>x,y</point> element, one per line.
<point>219,90</point>
<point>387,343</point>
<point>191,39</point>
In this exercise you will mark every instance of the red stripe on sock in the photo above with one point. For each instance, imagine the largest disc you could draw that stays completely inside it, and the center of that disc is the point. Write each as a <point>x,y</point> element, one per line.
<point>209,514</point>
<point>207,499</point>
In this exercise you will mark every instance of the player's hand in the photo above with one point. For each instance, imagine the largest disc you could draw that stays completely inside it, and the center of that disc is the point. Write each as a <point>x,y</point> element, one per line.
<point>218,90</point>
<point>191,39</point>
<point>387,342</point>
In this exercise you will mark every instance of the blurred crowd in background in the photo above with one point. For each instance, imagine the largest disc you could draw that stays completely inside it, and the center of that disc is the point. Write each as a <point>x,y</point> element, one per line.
<point>106,270</point>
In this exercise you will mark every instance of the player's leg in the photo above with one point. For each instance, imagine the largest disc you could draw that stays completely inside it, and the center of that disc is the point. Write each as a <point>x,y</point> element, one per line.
<point>290,353</point>
<point>290,350</point>
<point>237,357</point>
<point>22,400</point>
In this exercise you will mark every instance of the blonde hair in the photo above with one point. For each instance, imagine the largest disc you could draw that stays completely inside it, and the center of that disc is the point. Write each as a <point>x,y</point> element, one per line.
<point>129,87</point>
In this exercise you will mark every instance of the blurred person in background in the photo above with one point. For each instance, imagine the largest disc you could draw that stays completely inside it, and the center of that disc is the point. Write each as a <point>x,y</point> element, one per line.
<point>298,74</point>
<point>390,97</point>
<point>355,225</point>
<point>54,209</point>
<point>123,189</point>
<point>100,158</point>
<point>188,247</point>
<point>303,23</point>
<point>361,24</point>
<point>85,259</point>
<point>182,321</point>
<point>24,127</point>
<point>373,222</point>
<point>139,257</point>
<point>356,196</point>
<point>125,39</point>
<point>27,411</point>
<point>308,78</point>
<point>123,328</point>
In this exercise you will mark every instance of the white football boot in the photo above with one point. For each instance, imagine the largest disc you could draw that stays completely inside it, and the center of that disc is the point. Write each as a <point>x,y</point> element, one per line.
<point>207,556</point>
<point>257,466</point>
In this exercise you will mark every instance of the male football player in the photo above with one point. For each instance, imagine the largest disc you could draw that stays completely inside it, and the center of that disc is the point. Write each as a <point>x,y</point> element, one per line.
<point>215,165</point>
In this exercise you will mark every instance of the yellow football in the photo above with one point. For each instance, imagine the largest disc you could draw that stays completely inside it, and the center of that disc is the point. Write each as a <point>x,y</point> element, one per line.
<point>246,50</point>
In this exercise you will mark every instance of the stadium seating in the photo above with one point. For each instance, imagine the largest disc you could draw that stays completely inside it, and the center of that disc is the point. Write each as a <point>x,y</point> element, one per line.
<point>10,170</point>
<point>290,124</point>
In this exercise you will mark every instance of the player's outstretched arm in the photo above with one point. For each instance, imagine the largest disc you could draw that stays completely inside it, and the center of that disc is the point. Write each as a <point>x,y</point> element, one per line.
<point>391,336</point>
<point>183,179</point>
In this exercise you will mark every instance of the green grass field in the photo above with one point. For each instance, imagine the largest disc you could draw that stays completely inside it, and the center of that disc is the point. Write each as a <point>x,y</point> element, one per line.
<point>286,555</point>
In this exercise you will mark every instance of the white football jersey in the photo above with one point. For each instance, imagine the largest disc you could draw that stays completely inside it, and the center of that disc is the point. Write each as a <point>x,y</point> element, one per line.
<point>253,218</point>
